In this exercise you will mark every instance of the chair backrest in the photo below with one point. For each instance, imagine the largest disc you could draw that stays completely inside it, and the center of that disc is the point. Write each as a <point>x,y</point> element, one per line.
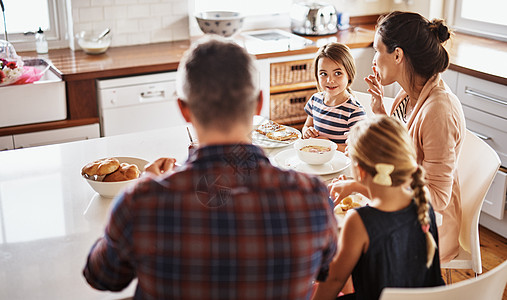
<point>489,286</point>
<point>477,167</point>
<point>365,100</point>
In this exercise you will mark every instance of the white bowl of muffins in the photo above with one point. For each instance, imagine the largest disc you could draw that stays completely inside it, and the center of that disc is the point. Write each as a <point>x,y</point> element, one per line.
<point>108,176</point>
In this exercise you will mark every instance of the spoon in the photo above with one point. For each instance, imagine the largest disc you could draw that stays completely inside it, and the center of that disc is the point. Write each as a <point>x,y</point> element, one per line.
<point>190,136</point>
<point>103,34</point>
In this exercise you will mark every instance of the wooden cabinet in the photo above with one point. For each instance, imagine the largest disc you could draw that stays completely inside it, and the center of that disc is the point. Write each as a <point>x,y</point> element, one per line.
<point>288,82</point>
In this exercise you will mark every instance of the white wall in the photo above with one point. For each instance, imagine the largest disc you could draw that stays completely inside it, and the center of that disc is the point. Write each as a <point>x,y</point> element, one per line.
<point>135,22</point>
<point>132,21</point>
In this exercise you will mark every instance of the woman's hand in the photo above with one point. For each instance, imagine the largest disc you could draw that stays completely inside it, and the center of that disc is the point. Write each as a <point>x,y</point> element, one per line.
<point>160,166</point>
<point>310,132</point>
<point>376,90</point>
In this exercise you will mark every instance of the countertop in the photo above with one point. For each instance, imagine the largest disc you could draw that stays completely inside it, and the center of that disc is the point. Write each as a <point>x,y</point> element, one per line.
<point>479,57</point>
<point>476,56</point>
<point>158,57</point>
<point>50,217</point>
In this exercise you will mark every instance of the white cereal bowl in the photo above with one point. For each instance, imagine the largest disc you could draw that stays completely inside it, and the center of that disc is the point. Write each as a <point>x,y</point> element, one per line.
<point>111,189</point>
<point>224,23</point>
<point>315,158</point>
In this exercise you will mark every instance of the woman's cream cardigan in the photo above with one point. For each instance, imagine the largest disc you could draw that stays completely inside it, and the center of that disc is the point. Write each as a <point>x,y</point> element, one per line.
<point>437,127</point>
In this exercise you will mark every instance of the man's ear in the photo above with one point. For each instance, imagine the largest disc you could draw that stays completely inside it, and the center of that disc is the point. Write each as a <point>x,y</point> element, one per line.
<point>259,104</point>
<point>185,111</point>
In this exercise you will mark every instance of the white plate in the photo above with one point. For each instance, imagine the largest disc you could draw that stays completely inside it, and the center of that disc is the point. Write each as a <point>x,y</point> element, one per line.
<point>289,159</point>
<point>265,142</point>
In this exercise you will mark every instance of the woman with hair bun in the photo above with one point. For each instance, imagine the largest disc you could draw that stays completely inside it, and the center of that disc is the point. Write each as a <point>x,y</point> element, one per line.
<point>409,50</point>
<point>393,241</point>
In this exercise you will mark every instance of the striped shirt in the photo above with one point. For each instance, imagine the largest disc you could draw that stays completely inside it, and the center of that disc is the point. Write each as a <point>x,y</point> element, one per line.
<point>225,225</point>
<point>333,122</point>
<point>400,112</point>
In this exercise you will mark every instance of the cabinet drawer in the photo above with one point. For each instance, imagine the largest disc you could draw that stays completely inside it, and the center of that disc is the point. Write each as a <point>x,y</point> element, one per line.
<point>494,203</point>
<point>288,108</point>
<point>6,142</point>
<point>56,136</point>
<point>490,128</point>
<point>291,72</point>
<point>483,95</point>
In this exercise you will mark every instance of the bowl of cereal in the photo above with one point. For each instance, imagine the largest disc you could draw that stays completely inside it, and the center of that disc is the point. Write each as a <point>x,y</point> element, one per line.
<point>315,151</point>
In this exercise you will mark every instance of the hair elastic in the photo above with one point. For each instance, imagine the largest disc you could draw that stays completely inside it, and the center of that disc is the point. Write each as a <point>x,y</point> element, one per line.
<point>425,228</point>
<point>383,174</point>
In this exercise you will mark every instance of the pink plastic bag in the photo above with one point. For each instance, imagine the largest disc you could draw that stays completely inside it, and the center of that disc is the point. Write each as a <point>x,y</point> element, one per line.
<point>30,74</point>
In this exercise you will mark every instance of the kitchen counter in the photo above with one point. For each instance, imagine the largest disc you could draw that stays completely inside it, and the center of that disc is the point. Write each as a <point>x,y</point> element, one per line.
<point>478,57</point>
<point>50,217</point>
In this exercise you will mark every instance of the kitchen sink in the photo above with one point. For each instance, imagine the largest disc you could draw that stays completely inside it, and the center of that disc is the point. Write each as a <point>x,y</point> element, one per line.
<point>41,101</point>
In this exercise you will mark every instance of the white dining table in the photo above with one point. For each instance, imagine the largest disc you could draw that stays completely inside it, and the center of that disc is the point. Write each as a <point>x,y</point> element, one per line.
<point>50,216</point>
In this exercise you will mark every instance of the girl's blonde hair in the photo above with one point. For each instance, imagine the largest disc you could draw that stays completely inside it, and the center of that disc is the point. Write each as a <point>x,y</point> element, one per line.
<point>384,140</point>
<point>339,53</point>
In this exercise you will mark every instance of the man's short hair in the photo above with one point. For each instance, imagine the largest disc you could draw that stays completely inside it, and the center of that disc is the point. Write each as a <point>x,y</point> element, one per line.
<point>219,81</point>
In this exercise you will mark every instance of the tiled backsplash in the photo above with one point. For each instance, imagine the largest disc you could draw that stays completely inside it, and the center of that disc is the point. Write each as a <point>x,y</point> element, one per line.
<point>133,22</point>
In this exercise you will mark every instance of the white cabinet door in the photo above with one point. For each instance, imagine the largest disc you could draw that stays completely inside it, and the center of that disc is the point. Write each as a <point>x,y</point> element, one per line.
<point>363,58</point>
<point>450,77</point>
<point>56,136</point>
<point>6,142</point>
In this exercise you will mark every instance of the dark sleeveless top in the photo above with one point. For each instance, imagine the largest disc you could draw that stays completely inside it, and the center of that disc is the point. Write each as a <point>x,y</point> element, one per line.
<point>396,256</point>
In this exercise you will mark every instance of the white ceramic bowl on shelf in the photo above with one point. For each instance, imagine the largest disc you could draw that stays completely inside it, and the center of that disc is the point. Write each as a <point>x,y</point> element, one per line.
<point>111,189</point>
<point>315,157</point>
<point>224,23</point>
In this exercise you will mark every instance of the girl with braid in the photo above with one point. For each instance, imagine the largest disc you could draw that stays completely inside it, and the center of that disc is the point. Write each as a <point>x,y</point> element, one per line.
<point>393,241</point>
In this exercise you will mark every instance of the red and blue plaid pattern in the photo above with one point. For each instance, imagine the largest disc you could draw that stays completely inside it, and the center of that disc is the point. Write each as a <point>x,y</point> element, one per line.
<point>226,225</point>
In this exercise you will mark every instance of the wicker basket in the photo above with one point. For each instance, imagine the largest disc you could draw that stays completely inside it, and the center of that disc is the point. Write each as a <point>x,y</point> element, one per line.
<point>290,72</point>
<point>288,108</point>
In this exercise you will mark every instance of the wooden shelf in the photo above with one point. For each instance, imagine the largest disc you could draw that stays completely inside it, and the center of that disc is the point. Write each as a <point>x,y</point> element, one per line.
<point>292,87</point>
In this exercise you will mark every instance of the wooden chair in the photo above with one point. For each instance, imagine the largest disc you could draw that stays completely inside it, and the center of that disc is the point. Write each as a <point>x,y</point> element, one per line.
<point>477,166</point>
<point>489,286</point>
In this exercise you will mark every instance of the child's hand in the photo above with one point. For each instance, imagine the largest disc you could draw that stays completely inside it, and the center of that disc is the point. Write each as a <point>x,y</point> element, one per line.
<point>376,90</point>
<point>311,132</point>
<point>340,188</point>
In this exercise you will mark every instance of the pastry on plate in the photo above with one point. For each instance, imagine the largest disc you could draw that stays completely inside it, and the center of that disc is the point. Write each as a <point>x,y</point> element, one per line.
<point>282,135</point>
<point>347,203</point>
<point>270,126</point>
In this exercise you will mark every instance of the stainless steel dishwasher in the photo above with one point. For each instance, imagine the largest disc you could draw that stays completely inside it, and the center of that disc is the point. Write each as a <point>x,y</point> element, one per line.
<point>138,103</point>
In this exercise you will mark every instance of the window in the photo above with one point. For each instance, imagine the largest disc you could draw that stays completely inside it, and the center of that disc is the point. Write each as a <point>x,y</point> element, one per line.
<point>259,14</point>
<point>23,18</point>
<point>485,17</point>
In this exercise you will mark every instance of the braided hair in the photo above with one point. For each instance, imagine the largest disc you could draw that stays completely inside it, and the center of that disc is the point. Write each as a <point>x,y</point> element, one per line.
<point>385,140</point>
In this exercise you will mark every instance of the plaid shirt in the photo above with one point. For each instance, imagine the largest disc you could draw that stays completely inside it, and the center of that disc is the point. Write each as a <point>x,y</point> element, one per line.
<point>226,225</point>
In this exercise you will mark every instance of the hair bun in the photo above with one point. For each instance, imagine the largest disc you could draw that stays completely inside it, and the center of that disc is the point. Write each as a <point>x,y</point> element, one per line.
<point>440,30</point>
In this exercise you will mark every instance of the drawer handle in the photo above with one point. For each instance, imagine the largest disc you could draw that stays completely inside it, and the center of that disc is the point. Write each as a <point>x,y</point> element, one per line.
<point>151,94</point>
<point>481,136</point>
<point>486,97</point>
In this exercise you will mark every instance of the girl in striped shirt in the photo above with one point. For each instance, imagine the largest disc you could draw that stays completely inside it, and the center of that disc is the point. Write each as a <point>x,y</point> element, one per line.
<point>333,110</point>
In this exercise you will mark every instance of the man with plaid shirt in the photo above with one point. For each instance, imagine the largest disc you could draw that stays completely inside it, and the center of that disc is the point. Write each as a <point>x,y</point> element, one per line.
<point>226,224</point>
